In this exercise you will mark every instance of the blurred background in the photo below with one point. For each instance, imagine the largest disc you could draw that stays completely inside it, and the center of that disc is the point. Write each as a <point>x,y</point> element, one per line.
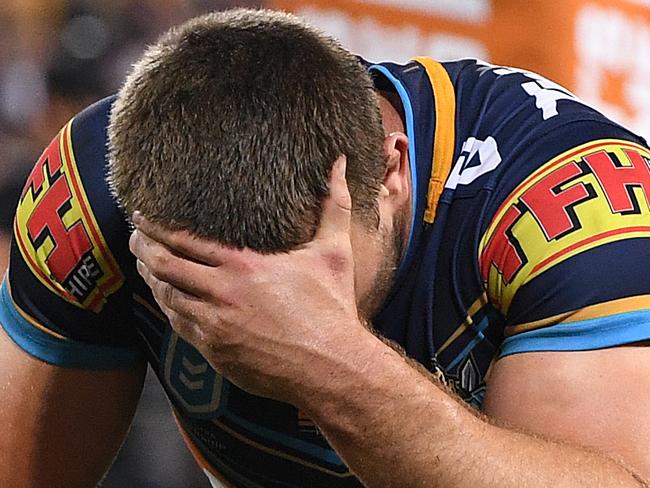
<point>58,56</point>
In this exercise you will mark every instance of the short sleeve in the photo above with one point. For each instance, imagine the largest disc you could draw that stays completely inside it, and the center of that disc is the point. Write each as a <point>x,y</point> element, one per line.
<point>566,257</point>
<point>64,299</point>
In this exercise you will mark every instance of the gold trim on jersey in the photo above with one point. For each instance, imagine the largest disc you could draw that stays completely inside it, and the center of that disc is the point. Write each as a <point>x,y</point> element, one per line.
<point>478,304</point>
<point>256,445</point>
<point>198,455</point>
<point>599,310</point>
<point>445,133</point>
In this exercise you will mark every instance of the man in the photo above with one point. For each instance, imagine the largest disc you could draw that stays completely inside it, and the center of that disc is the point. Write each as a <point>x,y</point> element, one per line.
<point>292,208</point>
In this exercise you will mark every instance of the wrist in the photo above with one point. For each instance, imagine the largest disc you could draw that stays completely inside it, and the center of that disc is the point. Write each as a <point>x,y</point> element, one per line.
<point>334,367</point>
<point>377,382</point>
<point>357,375</point>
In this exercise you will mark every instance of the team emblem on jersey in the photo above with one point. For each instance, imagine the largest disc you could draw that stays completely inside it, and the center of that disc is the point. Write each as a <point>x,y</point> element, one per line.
<point>591,195</point>
<point>467,381</point>
<point>57,233</point>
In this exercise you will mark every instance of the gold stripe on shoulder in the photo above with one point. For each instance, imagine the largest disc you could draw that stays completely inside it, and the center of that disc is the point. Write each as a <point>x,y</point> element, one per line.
<point>445,134</point>
<point>613,307</point>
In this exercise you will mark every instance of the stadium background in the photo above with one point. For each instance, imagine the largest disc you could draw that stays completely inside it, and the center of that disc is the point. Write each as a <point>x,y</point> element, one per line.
<point>57,56</point>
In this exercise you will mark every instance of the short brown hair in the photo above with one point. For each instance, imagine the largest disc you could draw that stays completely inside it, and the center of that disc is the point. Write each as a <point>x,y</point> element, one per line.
<point>229,125</point>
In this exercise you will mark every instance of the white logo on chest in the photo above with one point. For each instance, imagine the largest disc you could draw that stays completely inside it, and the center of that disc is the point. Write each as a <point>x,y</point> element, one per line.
<point>476,159</point>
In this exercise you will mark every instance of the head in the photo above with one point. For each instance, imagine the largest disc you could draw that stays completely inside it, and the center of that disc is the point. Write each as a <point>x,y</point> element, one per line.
<point>229,125</point>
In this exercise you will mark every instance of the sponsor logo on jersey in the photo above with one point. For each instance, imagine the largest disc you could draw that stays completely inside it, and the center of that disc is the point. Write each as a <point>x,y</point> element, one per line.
<point>57,233</point>
<point>591,195</point>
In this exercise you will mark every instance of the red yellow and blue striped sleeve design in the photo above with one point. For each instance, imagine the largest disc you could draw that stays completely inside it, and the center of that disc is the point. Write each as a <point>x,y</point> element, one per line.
<point>54,300</point>
<point>566,258</point>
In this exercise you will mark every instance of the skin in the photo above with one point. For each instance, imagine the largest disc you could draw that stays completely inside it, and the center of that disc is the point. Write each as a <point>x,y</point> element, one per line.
<point>5,242</point>
<point>288,327</point>
<point>66,424</point>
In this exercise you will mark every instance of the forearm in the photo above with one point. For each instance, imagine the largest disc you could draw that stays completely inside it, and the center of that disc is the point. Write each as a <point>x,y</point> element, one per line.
<point>395,427</point>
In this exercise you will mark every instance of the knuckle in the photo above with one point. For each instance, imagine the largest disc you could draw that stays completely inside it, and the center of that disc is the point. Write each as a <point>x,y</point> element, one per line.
<point>158,294</point>
<point>142,269</point>
<point>246,265</point>
<point>159,259</point>
<point>177,240</point>
<point>173,297</point>
<point>336,260</point>
<point>162,293</point>
<point>179,324</point>
<point>133,242</point>
<point>222,295</point>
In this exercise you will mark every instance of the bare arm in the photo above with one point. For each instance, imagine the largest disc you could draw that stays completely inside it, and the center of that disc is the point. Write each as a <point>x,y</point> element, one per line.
<point>392,424</point>
<point>395,427</point>
<point>61,427</point>
<point>286,326</point>
<point>597,399</point>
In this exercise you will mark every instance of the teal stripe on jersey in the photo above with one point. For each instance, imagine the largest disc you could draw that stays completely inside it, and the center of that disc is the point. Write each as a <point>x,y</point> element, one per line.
<point>599,333</point>
<point>67,353</point>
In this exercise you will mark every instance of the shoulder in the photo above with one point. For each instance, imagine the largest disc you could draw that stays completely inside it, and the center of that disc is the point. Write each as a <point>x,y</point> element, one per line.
<point>65,290</point>
<point>88,131</point>
<point>96,116</point>
<point>510,122</point>
<point>69,230</point>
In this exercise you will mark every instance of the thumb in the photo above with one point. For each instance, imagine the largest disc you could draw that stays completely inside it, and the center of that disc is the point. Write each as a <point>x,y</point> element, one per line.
<point>337,207</point>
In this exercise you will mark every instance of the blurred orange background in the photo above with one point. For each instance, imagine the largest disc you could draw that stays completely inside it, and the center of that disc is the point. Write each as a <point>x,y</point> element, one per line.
<point>598,48</point>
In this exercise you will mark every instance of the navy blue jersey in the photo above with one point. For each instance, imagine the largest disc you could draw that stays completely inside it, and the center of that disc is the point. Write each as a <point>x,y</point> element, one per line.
<point>530,217</point>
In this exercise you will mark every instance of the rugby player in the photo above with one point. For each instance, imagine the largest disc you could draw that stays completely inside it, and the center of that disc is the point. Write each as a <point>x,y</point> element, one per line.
<point>431,274</point>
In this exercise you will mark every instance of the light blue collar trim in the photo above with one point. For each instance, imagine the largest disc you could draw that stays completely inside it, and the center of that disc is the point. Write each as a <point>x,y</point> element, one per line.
<point>410,132</point>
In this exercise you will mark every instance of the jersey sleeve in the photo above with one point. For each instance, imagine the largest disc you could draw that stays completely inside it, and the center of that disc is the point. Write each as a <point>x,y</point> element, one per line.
<point>64,298</point>
<point>566,257</point>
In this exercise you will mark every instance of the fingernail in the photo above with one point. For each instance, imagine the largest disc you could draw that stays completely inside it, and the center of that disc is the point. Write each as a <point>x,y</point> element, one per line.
<point>142,269</point>
<point>342,163</point>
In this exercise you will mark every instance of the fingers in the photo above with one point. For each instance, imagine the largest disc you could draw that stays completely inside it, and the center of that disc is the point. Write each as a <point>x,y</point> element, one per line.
<point>188,276</point>
<point>166,294</point>
<point>337,207</point>
<point>183,242</point>
<point>182,310</point>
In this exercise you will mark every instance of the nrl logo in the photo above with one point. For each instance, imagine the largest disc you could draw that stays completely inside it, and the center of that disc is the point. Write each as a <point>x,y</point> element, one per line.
<point>467,382</point>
